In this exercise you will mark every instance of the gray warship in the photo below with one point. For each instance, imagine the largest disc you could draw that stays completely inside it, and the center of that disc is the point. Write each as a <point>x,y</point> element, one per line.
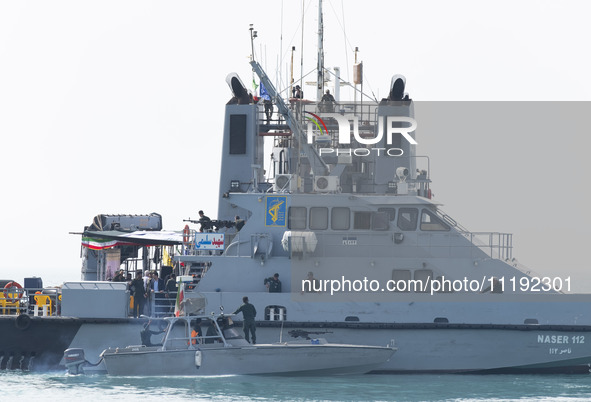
<point>346,219</point>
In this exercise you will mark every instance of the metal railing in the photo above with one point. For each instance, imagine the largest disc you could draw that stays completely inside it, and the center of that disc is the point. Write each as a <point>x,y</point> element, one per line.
<point>31,301</point>
<point>496,245</point>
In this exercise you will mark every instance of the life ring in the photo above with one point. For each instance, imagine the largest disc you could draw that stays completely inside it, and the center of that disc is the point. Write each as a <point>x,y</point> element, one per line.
<point>22,322</point>
<point>186,232</point>
<point>15,289</point>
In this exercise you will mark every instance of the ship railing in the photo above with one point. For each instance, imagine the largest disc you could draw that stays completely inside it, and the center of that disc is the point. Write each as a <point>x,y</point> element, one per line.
<point>371,244</point>
<point>162,304</point>
<point>495,244</point>
<point>12,306</point>
<point>32,301</point>
<point>304,109</point>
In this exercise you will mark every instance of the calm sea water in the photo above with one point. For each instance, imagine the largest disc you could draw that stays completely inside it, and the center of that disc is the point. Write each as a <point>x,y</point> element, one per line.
<point>63,387</point>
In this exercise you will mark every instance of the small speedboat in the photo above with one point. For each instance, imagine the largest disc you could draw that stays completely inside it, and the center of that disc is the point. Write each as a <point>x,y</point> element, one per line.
<point>209,345</point>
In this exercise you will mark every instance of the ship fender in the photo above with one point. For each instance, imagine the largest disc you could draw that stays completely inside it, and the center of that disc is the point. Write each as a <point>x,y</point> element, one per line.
<point>198,359</point>
<point>22,322</point>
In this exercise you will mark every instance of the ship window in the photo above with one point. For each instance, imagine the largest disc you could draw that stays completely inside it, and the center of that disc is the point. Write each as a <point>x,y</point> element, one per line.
<point>407,218</point>
<point>380,221</point>
<point>390,211</point>
<point>424,276</point>
<point>340,218</point>
<point>297,218</point>
<point>431,222</point>
<point>401,278</point>
<point>361,220</point>
<point>318,218</point>
<point>237,134</point>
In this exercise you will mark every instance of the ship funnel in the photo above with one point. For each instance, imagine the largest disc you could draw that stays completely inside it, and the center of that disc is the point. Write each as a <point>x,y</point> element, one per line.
<point>237,87</point>
<point>397,88</point>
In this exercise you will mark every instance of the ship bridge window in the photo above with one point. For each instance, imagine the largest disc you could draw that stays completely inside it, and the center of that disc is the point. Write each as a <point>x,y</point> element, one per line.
<point>380,221</point>
<point>318,218</point>
<point>361,220</point>
<point>431,222</point>
<point>407,218</point>
<point>390,211</point>
<point>340,218</point>
<point>297,218</point>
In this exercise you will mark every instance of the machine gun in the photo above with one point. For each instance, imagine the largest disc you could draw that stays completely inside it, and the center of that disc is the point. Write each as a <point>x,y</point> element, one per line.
<point>208,225</point>
<point>295,333</point>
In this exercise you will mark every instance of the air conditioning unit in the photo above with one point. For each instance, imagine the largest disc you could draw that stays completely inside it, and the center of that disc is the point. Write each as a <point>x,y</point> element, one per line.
<point>326,184</point>
<point>285,182</point>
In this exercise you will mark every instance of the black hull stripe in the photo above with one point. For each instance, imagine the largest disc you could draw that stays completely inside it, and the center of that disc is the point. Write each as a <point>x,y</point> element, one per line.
<point>370,325</point>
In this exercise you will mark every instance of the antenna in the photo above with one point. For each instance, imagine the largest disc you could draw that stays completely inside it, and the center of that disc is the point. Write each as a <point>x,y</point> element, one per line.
<point>253,35</point>
<point>320,67</point>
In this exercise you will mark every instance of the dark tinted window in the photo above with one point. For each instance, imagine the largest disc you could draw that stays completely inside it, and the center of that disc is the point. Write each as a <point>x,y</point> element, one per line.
<point>362,220</point>
<point>407,218</point>
<point>318,218</point>
<point>297,218</point>
<point>340,218</point>
<point>390,211</point>
<point>380,221</point>
<point>237,134</point>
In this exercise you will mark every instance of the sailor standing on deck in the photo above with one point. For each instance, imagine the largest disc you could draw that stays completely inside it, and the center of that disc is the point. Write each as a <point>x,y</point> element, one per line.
<point>147,279</point>
<point>297,95</point>
<point>327,102</point>
<point>273,284</point>
<point>157,293</point>
<point>139,294</point>
<point>249,313</point>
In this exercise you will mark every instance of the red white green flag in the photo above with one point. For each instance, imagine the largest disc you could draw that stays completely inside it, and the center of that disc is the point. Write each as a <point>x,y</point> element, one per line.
<point>180,295</point>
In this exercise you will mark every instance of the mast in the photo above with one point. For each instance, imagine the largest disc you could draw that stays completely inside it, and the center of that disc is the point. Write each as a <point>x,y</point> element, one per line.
<point>289,94</point>
<point>320,67</point>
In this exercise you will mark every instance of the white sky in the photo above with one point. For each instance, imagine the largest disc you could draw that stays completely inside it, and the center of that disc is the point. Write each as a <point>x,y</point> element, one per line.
<point>117,107</point>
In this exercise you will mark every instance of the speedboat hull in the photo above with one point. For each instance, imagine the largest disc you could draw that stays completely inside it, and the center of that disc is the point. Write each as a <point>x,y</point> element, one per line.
<point>299,359</point>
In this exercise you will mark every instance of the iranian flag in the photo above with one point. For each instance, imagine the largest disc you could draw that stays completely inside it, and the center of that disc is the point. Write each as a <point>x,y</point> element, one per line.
<point>179,299</point>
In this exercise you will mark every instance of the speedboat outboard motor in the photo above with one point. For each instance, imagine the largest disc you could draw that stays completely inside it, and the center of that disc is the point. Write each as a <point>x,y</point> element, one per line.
<point>74,360</point>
